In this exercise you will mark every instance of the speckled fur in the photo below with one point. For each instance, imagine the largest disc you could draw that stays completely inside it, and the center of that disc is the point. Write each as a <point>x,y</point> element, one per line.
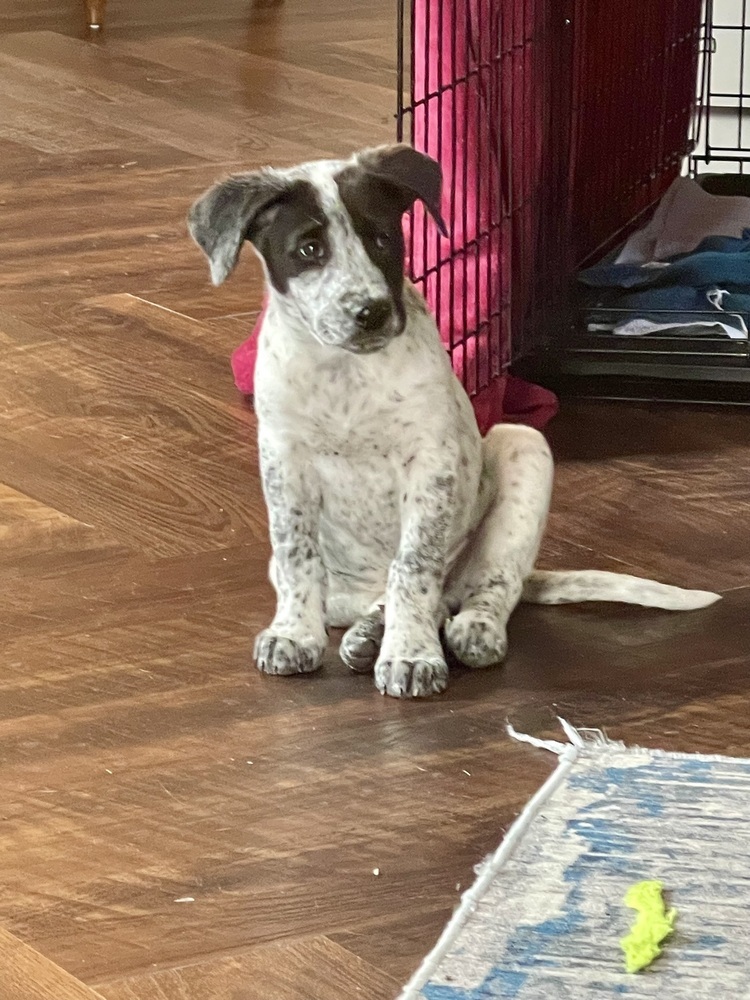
<point>393,459</point>
<point>389,515</point>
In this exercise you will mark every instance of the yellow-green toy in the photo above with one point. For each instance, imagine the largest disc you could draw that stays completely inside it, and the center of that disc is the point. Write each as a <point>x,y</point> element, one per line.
<point>653,924</point>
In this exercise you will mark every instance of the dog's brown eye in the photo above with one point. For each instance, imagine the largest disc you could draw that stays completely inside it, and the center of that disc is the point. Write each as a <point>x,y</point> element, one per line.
<point>381,240</point>
<point>311,250</point>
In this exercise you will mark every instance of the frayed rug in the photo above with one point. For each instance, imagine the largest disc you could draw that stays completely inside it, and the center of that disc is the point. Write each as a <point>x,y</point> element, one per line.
<point>546,916</point>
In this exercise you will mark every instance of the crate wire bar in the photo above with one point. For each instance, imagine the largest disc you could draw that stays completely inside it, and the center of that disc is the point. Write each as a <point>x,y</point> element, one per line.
<point>559,124</point>
<point>724,135</point>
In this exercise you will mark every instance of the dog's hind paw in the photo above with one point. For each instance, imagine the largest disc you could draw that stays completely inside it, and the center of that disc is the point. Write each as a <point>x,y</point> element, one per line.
<point>411,678</point>
<point>475,639</point>
<point>278,654</point>
<point>361,644</point>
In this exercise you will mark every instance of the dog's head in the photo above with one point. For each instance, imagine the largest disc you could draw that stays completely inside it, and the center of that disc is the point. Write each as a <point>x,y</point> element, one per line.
<point>329,235</point>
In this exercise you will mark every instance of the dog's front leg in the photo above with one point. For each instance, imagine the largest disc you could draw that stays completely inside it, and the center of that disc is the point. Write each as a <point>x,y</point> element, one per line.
<point>296,639</point>
<point>411,660</point>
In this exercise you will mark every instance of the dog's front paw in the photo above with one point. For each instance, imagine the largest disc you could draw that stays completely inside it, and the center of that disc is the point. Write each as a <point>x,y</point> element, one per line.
<point>415,678</point>
<point>475,639</point>
<point>361,644</point>
<point>278,654</point>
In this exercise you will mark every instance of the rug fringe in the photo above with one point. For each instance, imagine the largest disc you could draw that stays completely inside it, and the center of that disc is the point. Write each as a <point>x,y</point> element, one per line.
<point>580,738</point>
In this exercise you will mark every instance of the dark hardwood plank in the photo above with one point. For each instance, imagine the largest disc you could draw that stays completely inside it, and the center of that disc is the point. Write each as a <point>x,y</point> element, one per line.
<point>316,967</point>
<point>27,975</point>
<point>229,21</point>
<point>149,96</point>
<point>130,395</point>
<point>141,246</point>
<point>179,105</point>
<point>354,107</point>
<point>232,330</point>
<point>696,461</point>
<point>62,85</point>
<point>265,849</point>
<point>396,942</point>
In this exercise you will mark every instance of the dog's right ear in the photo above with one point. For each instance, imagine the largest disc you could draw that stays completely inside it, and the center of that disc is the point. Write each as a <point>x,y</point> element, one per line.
<point>231,212</point>
<point>409,175</point>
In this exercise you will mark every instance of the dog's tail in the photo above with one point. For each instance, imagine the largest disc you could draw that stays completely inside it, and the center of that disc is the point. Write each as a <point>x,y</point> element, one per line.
<point>575,586</point>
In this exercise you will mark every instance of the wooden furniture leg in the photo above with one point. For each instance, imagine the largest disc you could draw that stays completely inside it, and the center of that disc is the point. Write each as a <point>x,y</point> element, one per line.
<point>95,10</point>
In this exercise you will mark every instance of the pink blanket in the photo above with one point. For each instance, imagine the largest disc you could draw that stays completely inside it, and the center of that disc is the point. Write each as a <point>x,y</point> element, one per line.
<point>473,76</point>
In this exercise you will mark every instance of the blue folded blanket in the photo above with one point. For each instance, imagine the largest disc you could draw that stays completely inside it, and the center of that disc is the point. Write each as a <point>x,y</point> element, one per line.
<point>714,279</point>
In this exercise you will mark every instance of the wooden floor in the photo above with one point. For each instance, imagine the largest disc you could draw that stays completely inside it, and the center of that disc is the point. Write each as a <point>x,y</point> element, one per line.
<point>175,826</point>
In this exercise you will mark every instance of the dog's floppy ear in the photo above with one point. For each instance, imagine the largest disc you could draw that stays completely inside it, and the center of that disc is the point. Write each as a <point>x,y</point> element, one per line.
<point>231,212</point>
<point>410,175</point>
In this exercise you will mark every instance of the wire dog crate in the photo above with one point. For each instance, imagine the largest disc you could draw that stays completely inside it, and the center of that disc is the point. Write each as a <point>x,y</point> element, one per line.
<point>559,125</point>
<point>483,93</point>
<point>724,139</point>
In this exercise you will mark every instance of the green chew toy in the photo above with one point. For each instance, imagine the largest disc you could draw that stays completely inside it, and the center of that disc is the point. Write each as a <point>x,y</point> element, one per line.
<point>653,924</point>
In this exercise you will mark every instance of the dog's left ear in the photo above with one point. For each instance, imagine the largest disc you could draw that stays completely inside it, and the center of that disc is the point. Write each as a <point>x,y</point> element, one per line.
<point>409,175</point>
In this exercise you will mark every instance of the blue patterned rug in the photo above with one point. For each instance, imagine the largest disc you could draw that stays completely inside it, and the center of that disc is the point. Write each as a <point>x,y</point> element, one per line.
<point>545,917</point>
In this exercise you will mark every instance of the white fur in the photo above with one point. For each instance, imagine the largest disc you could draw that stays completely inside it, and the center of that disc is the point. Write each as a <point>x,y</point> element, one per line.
<point>594,585</point>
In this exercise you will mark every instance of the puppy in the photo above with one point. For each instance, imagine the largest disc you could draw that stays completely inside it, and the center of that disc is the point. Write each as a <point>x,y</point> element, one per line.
<point>389,515</point>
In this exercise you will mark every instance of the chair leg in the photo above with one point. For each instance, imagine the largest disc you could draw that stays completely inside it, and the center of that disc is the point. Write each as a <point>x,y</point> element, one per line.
<point>95,10</point>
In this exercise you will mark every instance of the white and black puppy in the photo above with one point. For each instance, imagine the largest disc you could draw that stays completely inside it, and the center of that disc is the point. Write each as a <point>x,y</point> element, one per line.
<point>389,515</point>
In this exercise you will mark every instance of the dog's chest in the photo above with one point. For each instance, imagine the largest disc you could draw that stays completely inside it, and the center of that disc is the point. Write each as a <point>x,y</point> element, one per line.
<point>362,428</point>
<point>359,423</point>
<point>360,514</point>
<point>350,410</point>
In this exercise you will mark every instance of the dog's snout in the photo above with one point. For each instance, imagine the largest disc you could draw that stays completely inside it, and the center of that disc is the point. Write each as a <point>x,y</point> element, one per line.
<point>373,315</point>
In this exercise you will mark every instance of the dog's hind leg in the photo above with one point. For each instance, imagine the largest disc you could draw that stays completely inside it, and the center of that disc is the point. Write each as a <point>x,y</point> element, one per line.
<point>486,584</point>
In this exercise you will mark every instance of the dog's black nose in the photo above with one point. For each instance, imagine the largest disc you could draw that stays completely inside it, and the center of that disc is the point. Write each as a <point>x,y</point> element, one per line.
<point>373,315</point>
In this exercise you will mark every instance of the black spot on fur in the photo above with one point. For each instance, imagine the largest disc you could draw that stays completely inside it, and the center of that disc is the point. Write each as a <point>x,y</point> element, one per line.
<point>375,209</point>
<point>293,222</point>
